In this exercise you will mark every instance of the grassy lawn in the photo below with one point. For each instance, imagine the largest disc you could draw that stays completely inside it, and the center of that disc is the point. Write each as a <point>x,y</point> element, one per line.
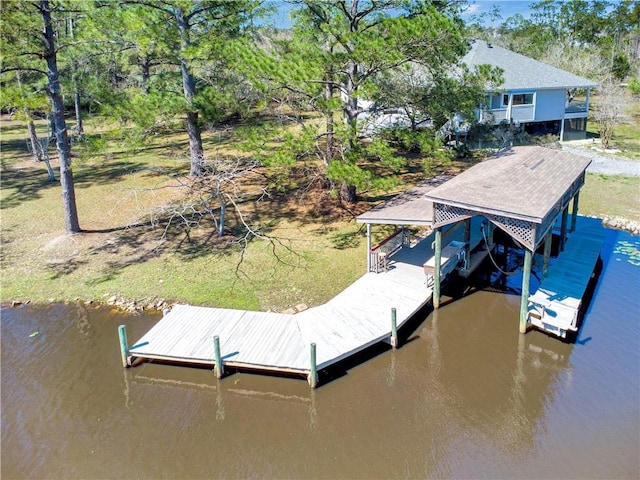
<point>313,257</point>
<point>611,196</point>
<point>626,134</point>
<point>317,248</point>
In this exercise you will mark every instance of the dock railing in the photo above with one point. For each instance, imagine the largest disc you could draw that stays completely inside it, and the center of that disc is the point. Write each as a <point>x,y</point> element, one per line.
<point>381,251</point>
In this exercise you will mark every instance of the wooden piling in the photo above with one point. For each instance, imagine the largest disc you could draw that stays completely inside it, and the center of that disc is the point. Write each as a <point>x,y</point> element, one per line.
<point>524,299</point>
<point>574,212</point>
<point>313,374</point>
<point>368,247</point>
<point>547,253</point>
<point>219,368</point>
<point>467,242</point>
<point>436,272</point>
<point>394,328</point>
<point>563,228</point>
<point>124,346</point>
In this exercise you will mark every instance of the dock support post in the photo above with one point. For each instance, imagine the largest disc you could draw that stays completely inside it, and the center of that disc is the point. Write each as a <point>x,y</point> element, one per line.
<point>524,300</point>
<point>547,253</point>
<point>313,374</point>
<point>574,211</point>
<point>219,368</point>
<point>394,329</point>
<point>563,228</point>
<point>467,242</point>
<point>124,346</point>
<point>368,247</point>
<point>436,272</point>
<point>487,227</point>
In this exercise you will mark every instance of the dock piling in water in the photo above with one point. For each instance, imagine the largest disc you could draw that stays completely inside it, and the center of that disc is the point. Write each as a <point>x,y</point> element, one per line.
<point>394,329</point>
<point>524,298</point>
<point>437,269</point>
<point>313,374</point>
<point>219,368</point>
<point>124,346</point>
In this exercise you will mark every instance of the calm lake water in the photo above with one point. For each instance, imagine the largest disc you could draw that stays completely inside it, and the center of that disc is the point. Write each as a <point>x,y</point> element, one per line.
<point>466,397</point>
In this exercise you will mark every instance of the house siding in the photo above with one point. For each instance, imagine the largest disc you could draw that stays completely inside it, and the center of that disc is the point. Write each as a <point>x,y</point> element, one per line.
<point>550,105</point>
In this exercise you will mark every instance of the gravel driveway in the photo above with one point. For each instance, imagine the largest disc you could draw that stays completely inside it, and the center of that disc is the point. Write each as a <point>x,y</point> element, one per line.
<point>607,165</point>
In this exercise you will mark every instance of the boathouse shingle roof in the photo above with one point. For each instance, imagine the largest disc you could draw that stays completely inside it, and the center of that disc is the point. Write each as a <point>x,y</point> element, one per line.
<point>521,72</point>
<point>524,182</point>
<point>408,208</point>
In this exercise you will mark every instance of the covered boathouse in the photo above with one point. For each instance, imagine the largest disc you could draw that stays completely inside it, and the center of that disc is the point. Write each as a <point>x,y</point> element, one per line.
<point>526,192</point>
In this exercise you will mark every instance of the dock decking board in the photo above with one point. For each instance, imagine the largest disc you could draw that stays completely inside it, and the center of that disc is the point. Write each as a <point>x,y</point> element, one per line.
<point>559,297</point>
<point>353,320</point>
<point>356,318</point>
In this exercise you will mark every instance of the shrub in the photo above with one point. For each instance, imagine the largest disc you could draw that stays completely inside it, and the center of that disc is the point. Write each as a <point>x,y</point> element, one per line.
<point>634,86</point>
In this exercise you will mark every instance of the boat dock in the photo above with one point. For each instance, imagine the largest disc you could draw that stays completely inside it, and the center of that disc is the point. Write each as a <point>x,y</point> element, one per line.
<point>365,313</point>
<point>555,305</point>
<point>524,192</point>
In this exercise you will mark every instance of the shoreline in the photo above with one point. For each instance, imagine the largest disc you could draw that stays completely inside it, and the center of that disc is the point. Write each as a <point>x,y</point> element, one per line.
<point>157,305</point>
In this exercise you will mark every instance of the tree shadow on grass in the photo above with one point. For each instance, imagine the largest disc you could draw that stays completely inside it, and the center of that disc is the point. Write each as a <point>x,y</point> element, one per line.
<point>26,183</point>
<point>66,266</point>
<point>29,183</point>
<point>17,146</point>
<point>106,173</point>
<point>346,240</point>
<point>12,128</point>
<point>144,242</point>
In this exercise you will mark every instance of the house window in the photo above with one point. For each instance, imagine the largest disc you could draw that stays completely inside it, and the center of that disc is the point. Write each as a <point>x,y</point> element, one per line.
<point>493,101</point>
<point>522,99</point>
<point>505,100</point>
<point>575,124</point>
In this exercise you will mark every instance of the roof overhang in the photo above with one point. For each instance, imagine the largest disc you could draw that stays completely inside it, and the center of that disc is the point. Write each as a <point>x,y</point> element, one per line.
<point>522,191</point>
<point>408,208</point>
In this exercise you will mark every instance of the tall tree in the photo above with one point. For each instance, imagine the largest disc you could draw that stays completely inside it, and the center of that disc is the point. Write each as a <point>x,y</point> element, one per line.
<point>186,34</point>
<point>30,46</point>
<point>337,52</point>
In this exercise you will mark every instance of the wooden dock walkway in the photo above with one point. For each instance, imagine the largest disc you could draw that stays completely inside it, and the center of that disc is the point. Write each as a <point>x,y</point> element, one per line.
<point>555,305</point>
<point>358,317</point>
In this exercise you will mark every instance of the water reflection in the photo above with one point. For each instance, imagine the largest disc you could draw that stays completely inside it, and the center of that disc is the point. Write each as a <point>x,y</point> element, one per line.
<point>466,396</point>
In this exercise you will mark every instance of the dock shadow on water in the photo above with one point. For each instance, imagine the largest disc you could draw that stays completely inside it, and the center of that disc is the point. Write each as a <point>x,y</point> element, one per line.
<point>466,397</point>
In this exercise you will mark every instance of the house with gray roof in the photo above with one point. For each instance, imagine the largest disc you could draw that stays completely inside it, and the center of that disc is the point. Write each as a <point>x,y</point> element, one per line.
<point>534,94</point>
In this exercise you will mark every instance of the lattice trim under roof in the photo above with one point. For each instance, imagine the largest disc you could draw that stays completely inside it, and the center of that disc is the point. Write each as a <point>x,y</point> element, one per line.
<point>522,191</point>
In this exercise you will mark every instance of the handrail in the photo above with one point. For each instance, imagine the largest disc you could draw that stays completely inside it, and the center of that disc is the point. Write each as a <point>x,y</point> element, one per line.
<point>386,240</point>
<point>380,248</point>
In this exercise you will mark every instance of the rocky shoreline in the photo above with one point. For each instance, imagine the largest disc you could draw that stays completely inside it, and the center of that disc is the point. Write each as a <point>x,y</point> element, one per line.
<point>118,301</point>
<point>160,304</point>
<point>619,223</point>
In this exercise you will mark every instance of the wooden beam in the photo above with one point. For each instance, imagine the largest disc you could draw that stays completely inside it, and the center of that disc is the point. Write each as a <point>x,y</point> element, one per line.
<point>368,247</point>
<point>394,328</point>
<point>467,241</point>
<point>313,373</point>
<point>219,368</point>
<point>524,299</point>
<point>436,272</point>
<point>574,212</point>
<point>490,228</point>
<point>563,228</point>
<point>124,346</point>
<point>547,253</point>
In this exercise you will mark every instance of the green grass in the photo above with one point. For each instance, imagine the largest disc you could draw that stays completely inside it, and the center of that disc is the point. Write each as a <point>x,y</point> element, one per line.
<point>626,134</point>
<point>316,256</point>
<point>611,196</point>
<point>115,189</point>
